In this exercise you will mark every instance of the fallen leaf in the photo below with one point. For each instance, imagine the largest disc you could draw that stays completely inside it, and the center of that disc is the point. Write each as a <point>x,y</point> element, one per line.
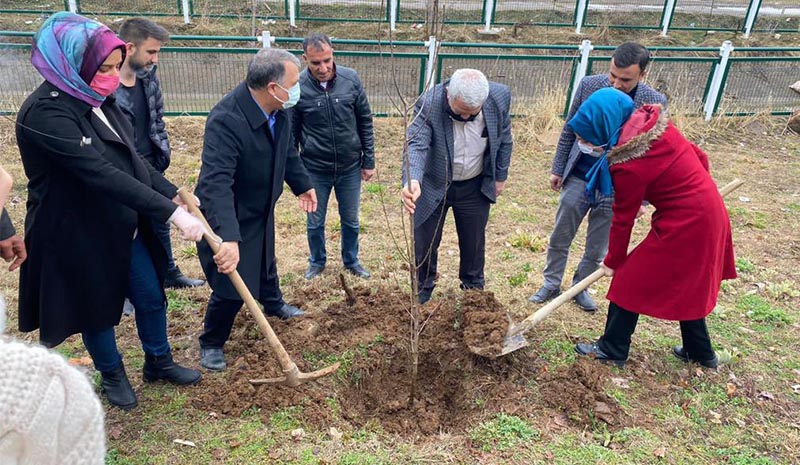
<point>561,420</point>
<point>621,382</point>
<point>660,452</point>
<point>334,433</point>
<point>765,395</point>
<point>218,454</point>
<point>184,442</point>
<point>115,432</point>
<point>80,361</point>
<point>298,434</point>
<point>730,390</point>
<point>796,388</point>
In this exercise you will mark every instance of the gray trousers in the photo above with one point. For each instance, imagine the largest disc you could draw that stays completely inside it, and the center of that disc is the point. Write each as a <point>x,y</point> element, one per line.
<point>572,208</point>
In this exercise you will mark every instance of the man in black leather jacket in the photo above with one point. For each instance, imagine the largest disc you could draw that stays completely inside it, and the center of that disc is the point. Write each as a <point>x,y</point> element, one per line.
<point>333,132</point>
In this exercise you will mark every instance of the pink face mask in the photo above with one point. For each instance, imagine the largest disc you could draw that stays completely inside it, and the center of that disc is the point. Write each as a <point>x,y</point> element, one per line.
<point>104,85</point>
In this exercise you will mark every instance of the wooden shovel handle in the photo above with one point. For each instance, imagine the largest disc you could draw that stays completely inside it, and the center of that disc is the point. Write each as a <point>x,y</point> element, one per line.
<point>214,242</point>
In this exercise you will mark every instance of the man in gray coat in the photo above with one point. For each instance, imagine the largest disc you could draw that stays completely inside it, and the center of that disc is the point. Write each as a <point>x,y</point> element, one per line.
<point>459,151</point>
<point>568,176</point>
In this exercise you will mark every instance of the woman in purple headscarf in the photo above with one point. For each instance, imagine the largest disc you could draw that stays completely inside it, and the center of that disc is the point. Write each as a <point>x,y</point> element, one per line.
<point>91,203</point>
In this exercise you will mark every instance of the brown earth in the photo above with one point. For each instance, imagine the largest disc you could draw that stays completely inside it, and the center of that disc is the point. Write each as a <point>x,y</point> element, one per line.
<point>373,383</point>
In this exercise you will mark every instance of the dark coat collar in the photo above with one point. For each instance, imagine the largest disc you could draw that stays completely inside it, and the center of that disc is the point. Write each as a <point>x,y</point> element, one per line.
<point>253,113</point>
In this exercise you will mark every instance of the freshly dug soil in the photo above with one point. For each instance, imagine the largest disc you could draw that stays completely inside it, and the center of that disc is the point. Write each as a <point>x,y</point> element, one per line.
<point>371,339</point>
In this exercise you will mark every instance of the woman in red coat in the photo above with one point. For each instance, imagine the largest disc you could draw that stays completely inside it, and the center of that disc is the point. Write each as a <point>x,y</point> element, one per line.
<point>675,273</point>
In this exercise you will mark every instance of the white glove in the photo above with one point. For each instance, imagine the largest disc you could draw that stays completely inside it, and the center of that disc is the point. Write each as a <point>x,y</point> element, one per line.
<point>191,228</point>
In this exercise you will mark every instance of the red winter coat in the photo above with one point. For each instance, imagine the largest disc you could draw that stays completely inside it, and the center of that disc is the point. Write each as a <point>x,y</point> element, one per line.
<point>675,273</point>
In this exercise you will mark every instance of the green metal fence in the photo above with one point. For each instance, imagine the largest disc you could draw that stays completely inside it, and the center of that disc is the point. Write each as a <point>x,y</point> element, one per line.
<point>541,77</point>
<point>729,15</point>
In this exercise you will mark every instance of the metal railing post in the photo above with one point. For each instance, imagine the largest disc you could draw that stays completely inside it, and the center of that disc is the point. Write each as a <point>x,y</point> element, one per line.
<point>72,6</point>
<point>186,12</point>
<point>750,18</point>
<point>714,94</point>
<point>488,11</point>
<point>292,18</point>
<point>392,14</point>
<point>266,39</point>
<point>666,16</point>
<point>580,14</point>
<point>585,48</point>
<point>430,67</point>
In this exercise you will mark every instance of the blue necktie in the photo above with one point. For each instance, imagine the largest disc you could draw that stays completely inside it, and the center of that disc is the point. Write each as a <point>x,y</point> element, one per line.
<point>271,122</point>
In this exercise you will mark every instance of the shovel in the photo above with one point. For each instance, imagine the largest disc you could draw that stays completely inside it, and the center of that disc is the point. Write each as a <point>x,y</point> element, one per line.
<point>292,375</point>
<point>515,336</point>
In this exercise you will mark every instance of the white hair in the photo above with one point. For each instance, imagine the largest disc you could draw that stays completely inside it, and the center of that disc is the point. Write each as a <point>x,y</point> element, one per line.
<point>470,86</point>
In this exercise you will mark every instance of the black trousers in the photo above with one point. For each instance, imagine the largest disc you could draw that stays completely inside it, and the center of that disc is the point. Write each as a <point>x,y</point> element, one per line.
<point>221,312</point>
<point>471,212</point>
<point>621,323</point>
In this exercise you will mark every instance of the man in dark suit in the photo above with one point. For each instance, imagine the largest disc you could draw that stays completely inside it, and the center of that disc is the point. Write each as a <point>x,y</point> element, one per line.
<point>247,155</point>
<point>568,176</point>
<point>459,151</point>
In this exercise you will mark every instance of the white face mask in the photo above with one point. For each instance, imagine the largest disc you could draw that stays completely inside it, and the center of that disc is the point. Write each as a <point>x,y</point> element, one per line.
<point>586,148</point>
<point>294,95</point>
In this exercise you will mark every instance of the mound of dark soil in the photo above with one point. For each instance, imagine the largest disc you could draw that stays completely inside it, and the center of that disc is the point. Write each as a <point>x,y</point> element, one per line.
<point>371,340</point>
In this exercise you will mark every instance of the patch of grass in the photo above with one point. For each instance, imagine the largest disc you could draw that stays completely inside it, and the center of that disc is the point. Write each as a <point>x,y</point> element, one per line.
<point>522,240</point>
<point>188,251</point>
<point>793,207</point>
<point>505,255</point>
<point>742,456</point>
<point>374,188</point>
<point>288,278</point>
<point>286,419</point>
<point>502,433</point>
<point>178,302</point>
<point>360,458</point>
<point>753,219</point>
<point>744,265</point>
<point>783,290</point>
<point>758,309</point>
<point>518,279</point>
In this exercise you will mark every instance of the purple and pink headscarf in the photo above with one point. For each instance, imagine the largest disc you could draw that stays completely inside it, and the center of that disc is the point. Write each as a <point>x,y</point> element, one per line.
<point>69,49</point>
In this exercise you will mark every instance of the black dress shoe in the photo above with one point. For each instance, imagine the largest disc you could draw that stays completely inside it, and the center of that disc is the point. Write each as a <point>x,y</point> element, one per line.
<point>359,271</point>
<point>285,312</point>
<point>212,359</point>
<point>591,348</point>
<point>118,389</point>
<point>163,367</point>
<point>424,295</point>
<point>679,352</point>
<point>544,294</point>
<point>313,271</point>
<point>585,301</point>
<point>176,279</point>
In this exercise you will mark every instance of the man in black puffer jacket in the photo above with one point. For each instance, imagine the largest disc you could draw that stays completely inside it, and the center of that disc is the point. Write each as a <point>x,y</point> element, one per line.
<point>333,132</point>
<point>139,97</point>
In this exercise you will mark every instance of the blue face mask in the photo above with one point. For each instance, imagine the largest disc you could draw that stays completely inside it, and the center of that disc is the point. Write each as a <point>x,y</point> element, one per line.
<point>294,95</point>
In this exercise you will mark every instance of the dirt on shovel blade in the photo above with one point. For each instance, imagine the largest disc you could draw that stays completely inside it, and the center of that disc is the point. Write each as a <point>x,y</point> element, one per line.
<point>485,323</point>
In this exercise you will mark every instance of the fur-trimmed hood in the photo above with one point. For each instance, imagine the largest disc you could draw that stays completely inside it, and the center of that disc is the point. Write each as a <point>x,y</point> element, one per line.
<point>645,126</point>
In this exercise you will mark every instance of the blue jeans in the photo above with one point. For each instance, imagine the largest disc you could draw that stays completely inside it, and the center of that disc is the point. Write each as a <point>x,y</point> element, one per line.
<point>348,193</point>
<point>147,295</point>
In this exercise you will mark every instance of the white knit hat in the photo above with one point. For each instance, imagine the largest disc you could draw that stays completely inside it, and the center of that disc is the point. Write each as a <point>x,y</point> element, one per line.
<point>49,412</point>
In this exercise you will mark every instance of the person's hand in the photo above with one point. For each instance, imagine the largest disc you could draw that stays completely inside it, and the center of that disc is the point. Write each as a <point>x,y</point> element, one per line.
<point>642,211</point>
<point>13,250</point>
<point>177,200</point>
<point>308,201</point>
<point>606,270</point>
<point>366,175</point>
<point>499,186</point>
<point>227,257</point>
<point>410,196</point>
<point>191,228</point>
<point>556,182</point>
